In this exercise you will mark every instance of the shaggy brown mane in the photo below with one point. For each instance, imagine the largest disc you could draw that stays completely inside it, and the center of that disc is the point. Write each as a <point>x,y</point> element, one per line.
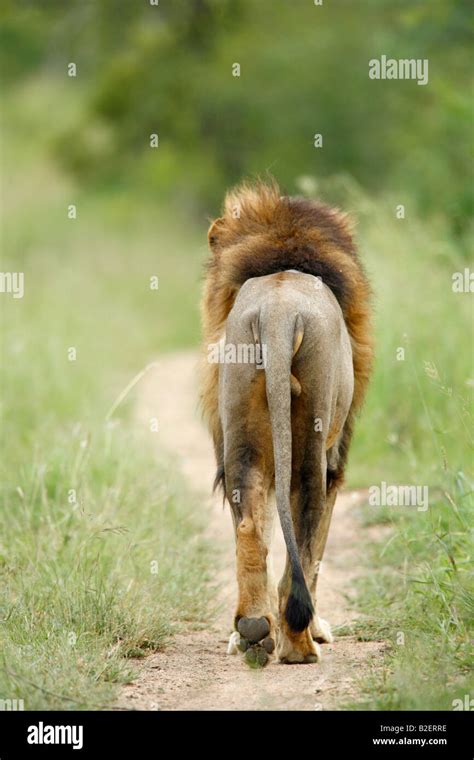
<point>262,232</point>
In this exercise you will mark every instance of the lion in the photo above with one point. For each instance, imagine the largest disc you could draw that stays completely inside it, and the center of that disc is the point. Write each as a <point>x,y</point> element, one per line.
<point>284,281</point>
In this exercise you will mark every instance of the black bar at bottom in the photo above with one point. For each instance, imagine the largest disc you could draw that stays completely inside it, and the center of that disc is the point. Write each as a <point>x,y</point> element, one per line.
<point>139,734</point>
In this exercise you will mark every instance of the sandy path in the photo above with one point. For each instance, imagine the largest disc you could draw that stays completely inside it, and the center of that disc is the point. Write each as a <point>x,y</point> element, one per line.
<point>194,672</point>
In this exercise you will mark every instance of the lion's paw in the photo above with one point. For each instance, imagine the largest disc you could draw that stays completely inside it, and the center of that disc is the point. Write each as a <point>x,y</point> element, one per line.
<point>297,647</point>
<point>255,640</point>
<point>295,656</point>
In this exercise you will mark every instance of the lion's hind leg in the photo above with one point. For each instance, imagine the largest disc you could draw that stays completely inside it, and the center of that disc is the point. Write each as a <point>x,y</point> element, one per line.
<point>254,619</point>
<point>294,647</point>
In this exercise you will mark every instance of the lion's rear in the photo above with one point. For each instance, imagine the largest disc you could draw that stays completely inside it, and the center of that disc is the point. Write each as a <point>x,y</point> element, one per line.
<point>292,356</point>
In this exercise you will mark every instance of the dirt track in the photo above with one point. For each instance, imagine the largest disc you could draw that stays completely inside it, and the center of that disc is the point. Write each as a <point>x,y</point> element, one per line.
<point>194,672</point>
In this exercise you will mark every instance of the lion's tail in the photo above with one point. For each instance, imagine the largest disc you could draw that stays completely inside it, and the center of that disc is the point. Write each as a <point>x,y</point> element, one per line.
<point>280,342</point>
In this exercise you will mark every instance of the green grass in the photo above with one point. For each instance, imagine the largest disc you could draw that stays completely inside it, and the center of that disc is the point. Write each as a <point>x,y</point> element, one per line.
<point>416,428</point>
<point>417,595</point>
<point>101,549</point>
<point>85,507</point>
<point>89,583</point>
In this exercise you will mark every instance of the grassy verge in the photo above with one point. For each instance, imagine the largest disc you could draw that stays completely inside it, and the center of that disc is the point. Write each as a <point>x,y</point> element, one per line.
<point>100,549</point>
<point>416,429</point>
<point>100,554</point>
<point>417,595</point>
<point>101,559</point>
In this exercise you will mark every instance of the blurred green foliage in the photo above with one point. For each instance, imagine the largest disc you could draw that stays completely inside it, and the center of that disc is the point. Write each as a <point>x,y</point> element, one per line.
<point>167,69</point>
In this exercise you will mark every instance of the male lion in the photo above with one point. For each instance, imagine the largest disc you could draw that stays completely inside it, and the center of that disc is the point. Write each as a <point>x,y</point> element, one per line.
<point>283,279</point>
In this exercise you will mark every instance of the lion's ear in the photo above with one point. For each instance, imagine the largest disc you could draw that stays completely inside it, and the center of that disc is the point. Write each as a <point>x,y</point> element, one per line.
<point>213,233</point>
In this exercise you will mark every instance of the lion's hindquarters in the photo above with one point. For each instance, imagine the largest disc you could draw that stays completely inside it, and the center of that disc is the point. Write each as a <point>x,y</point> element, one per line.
<point>273,436</point>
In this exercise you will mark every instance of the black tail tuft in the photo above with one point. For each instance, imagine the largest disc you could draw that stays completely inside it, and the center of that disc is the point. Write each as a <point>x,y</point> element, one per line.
<point>299,608</point>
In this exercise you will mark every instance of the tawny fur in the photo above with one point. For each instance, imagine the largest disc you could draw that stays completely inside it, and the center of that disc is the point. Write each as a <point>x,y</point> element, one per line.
<point>262,232</point>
